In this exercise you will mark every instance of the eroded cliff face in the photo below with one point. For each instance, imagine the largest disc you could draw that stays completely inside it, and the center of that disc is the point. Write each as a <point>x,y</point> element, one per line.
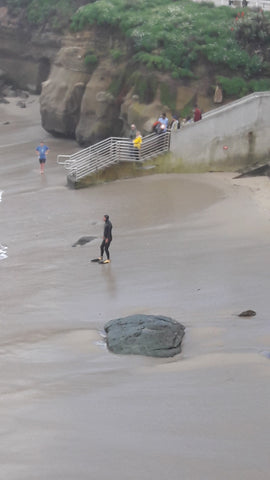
<point>62,92</point>
<point>75,73</point>
<point>25,56</point>
<point>75,100</point>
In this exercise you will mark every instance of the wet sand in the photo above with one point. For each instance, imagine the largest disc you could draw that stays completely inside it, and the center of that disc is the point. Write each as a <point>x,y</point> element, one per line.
<point>194,247</point>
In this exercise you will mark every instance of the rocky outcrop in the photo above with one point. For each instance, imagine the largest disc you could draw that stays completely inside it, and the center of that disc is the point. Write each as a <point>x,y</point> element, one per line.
<point>150,335</point>
<point>99,113</point>
<point>26,55</point>
<point>76,74</point>
<point>62,93</point>
<point>76,102</point>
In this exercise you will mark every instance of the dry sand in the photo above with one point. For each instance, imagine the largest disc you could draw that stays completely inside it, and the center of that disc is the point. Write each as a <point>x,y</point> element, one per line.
<point>194,247</point>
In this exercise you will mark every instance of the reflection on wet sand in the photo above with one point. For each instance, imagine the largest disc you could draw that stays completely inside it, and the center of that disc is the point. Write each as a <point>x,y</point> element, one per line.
<point>110,279</point>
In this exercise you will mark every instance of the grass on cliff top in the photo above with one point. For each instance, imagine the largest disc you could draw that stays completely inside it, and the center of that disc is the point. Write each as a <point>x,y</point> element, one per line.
<point>173,35</point>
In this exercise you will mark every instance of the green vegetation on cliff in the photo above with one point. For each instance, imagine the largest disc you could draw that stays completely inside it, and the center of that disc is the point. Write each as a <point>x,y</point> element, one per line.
<point>57,13</point>
<point>172,37</point>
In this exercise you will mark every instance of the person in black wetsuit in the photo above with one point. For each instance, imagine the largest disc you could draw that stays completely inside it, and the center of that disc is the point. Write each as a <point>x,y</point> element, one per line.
<point>107,238</point>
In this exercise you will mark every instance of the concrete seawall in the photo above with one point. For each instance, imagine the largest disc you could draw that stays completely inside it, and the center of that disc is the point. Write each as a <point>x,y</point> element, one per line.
<point>234,134</point>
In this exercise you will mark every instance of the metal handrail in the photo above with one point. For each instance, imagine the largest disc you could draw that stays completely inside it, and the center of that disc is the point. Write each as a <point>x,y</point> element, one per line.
<point>110,151</point>
<point>60,159</point>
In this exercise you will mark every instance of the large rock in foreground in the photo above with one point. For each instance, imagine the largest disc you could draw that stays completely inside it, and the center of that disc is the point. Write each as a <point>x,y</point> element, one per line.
<point>154,336</point>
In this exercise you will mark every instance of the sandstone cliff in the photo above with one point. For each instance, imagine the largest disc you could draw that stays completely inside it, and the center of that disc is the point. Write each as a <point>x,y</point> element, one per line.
<point>84,92</point>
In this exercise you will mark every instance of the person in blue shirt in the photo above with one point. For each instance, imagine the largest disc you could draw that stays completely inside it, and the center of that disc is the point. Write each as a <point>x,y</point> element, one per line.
<point>42,152</point>
<point>164,121</point>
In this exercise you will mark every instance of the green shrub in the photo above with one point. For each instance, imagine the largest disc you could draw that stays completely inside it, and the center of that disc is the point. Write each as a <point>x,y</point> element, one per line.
<point>172,36</point>
<point>102,12</point>
<point>238,87</point>
<point>116,54</point>
<point>38,12</point>
<point>252,30</point>
<point>261,85</point>
<point>145,86</point>
<point>153,61</point>
<point>90,60</point>
<point>117,84</point>
<point>168,96</point>
<point>207,4</point>
<point>169,36</point>
<point>235,86</point>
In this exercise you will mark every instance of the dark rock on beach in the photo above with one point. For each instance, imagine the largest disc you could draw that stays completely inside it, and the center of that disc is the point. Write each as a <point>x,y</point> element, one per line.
<point>263,170</point>
<point>247,313</point>
<point>21,104</point>
<point>150,335</point>
<point>83,240</point>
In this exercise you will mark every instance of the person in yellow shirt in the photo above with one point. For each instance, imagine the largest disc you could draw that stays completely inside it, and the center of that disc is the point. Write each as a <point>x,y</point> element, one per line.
<point>137,143</point>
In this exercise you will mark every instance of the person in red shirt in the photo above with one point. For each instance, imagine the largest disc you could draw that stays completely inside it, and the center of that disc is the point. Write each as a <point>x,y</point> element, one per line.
<point>197,114</point>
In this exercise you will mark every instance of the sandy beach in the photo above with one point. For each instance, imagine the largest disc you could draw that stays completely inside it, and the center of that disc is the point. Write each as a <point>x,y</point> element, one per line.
<point>191,246</point>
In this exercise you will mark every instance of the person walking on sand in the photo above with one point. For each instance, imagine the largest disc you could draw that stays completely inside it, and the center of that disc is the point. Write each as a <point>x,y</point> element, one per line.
<point>42,151</point>
<point>137,143</point>
<point>107,238</point>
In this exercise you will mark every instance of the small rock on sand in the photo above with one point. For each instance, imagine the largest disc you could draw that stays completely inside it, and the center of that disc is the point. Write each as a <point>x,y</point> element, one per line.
<point>247,313</point>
